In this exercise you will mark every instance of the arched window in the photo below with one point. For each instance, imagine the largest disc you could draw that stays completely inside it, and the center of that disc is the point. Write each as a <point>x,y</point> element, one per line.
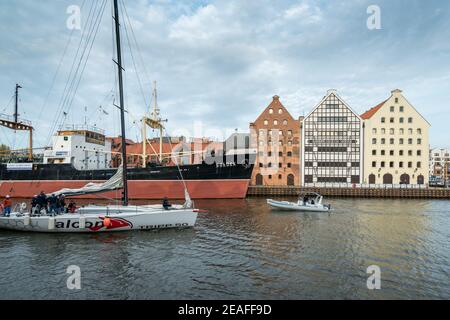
<point>372,179</point>
<point>404,179</point>
<point>285,122</point>
<point>291,180</point>
<point>266,122</point>
<point>280,111</point>
<point>275,122</point>
<point>388,179</point>
<point>271,111</point>
<point>259,180</point>
<point>420,179</point>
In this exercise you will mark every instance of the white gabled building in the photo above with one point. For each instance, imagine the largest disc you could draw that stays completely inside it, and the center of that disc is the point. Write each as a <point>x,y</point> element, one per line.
<point>86,148</point>
<point>332,138</point>
<point>396,143</point>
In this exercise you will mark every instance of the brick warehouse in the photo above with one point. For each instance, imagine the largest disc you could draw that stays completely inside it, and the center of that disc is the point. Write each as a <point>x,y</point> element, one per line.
<point>276,136</point>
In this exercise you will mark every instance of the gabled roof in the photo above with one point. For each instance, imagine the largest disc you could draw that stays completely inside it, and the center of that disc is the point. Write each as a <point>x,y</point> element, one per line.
<point>370,113</point>
<point>329,93</point>
<point>276,103</point>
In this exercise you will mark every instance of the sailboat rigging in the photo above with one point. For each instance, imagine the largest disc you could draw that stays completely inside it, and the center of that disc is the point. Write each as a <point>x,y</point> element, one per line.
<point>107,218</point>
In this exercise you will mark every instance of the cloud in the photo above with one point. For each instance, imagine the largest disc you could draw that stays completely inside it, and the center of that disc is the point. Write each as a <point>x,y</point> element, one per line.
<point>222,61</point>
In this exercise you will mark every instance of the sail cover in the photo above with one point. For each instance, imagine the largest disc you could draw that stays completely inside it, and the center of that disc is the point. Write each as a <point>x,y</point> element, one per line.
<point>116,182</point>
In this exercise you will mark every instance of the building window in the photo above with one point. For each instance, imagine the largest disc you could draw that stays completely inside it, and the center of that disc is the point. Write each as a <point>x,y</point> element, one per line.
<point>285,122</point>
<point>280,165</point>
<point>419,164</point>
<point>410,164</point>
<point>402,109</point>
<point>410,153</point>
<point>402,120</point>
<point>419,131</point>
<point>419,141</point>
<point>270,177</point>
<point>402,141</point>
<point>280,177</point>
<point>392,131</point>
<point>261,165</point>
<point>383,141</point>
<point>374,164</point>
<point>402,131</point>
<point>269,165</point>
<point>280,143</point>
<point>400,164</point>
<point>280,154</point>
<point>374,152</point>
<point>266,122</point>
<point>392,141</point>
<point>271,111</point>
<point>392,109</point>
<point>270,153</point>
<point>396,100</point>
<point>374,131</point>
<point>400,152</point>
<point>275,122</point>
<point>391,164</point>
<point>383,131</point>
<point>410,131</point>
<point>290,133</point>
<point>392,120</point>
<point>280,111</point>
<point>410,120</point>
<point>383,164</point>
<point>289,143</point>
<point>383,120</point>
<point>383,152</point>
<point>391,152</point>
<point>419,153</point>
<point>410,141</point>
<point>289,154</point>
<point>289,165</point>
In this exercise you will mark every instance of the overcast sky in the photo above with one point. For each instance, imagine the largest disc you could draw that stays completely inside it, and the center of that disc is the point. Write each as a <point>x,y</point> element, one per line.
<point>220,62</point>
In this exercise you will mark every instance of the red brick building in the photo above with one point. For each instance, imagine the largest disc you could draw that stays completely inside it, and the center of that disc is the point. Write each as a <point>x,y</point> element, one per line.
<point>276,136</point>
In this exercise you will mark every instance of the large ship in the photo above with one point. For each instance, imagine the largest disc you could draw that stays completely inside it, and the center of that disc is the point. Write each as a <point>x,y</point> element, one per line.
<point>82,154</point>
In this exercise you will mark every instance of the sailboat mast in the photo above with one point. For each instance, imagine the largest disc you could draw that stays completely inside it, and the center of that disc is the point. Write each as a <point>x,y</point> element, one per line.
<point>122,106</point>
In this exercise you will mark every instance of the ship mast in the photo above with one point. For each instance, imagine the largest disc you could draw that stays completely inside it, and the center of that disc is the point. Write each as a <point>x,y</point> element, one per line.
<point>154,122</point>
<point>121,106</point>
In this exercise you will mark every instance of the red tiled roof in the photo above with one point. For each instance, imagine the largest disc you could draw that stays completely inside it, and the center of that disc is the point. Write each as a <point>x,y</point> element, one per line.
<point>369,114</point>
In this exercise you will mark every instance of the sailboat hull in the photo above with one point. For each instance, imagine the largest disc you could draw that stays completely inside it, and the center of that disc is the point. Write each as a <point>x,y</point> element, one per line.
<point>95,223</point>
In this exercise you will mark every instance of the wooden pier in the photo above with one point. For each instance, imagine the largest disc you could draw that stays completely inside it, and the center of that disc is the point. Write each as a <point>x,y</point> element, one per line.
<point>425,193</point>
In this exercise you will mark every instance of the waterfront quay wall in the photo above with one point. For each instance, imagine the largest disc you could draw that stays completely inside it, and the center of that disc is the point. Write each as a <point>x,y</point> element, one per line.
<point>349,192</point>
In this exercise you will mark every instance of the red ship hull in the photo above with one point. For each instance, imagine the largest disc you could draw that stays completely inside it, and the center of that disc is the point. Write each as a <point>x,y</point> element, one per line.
<point>138,189</point>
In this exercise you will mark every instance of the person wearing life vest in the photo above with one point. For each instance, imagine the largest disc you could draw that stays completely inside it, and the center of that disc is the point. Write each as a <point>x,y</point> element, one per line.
<point>7,206</point>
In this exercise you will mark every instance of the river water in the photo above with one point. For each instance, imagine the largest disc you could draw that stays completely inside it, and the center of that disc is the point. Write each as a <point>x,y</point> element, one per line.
<point>242,250</point>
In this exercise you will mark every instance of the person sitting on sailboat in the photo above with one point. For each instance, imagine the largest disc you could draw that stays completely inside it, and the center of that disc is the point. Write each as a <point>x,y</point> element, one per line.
<point>72,207</point>
<point>166,203</point>
<point>7,206</point>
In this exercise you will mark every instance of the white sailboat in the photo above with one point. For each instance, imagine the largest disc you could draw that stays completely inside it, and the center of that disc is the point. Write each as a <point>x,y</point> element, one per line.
<point>106,218</point>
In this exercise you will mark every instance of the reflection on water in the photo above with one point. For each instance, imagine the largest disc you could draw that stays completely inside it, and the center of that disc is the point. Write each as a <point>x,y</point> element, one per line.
<point>242,250</point>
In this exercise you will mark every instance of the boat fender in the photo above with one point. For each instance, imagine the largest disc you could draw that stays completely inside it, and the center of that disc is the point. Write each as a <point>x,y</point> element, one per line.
<point>107,222</point>
<point>27,220</point>
<point>51,223</point>
<point>82,223</point>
